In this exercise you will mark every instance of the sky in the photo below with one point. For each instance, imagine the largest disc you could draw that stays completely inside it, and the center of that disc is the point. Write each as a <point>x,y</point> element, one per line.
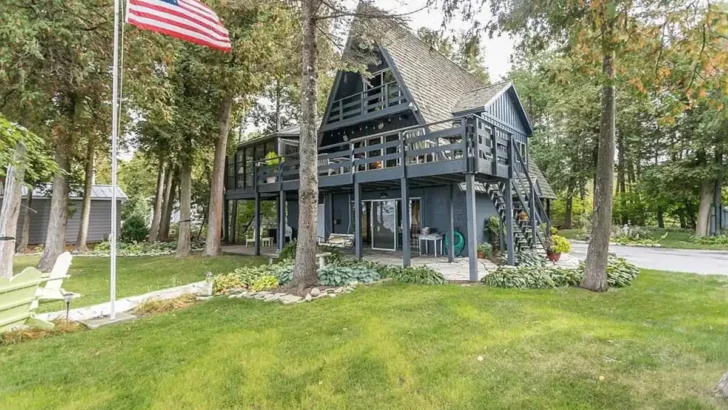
<point>497,51</point>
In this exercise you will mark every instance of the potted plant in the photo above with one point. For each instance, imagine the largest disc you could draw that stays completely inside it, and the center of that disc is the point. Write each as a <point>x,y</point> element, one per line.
<point>484,250</point>
<point>271,158</point>
<point>555,246</point>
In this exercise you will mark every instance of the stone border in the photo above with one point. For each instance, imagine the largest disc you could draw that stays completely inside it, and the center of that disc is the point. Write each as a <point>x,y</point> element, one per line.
<point>287,298</point>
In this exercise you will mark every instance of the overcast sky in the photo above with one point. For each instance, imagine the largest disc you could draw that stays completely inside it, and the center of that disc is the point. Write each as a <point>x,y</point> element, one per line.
<point>497,51</point>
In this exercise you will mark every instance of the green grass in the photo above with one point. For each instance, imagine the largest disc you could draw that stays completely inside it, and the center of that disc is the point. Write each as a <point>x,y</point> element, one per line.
<point>659,344</point>
<point>675,239</point>
<point>135,275</point>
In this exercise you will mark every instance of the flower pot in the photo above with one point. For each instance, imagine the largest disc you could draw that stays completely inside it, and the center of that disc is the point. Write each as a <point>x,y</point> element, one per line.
<point>553,257</point>
<point>481,255</point>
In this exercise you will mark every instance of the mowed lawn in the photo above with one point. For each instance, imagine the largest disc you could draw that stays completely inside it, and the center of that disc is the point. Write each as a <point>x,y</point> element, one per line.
<point>660,344</point>
<point>135,275</point>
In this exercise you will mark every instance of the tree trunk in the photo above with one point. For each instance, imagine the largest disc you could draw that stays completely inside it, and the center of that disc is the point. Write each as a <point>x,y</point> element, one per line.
<point>185,203</point>
<point>305,270</point>
<point>660,218</point>
<point>718,194</point>
<point>55,242</point>
<point>621,183</point>
<point>11,210</point>
<point>213,243</point>
<point>702,226</point>
<point>81,246</point>
<point>568,218</point>
<point>23,244</point>
<point>158,198</point>
<point>169,197</point>
<point>595,277</point>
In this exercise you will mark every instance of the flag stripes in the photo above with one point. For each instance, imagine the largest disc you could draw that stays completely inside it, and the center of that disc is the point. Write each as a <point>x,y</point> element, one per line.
<point>187,20</point>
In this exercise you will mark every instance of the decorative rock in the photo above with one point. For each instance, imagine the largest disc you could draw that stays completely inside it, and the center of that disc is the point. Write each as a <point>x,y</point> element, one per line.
<point>332,295</point>
<point>721,389</point>
<point>290,299</point>
<point>308,298</point>
<point>338,290</point>
<point>270,298</point>
<point>315,292</point>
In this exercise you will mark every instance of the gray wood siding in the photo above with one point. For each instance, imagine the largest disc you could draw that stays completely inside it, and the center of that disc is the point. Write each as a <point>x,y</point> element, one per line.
<point>434,210</point>
<point>99,224</point>
<point>504,108</point>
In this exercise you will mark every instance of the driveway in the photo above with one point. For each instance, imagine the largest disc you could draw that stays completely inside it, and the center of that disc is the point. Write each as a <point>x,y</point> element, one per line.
<point>675,260</point>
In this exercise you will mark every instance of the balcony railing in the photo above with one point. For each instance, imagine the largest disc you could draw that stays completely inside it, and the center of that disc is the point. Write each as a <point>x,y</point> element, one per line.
<point>463,144</point>
<point>370,101</point>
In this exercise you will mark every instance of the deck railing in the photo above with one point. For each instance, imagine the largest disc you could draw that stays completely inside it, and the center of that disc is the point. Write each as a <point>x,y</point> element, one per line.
<point>468,143</point>
<point>369,101</point>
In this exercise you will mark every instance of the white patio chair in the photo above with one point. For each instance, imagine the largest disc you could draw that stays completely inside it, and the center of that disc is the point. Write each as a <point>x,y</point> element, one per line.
<point>53,290</point>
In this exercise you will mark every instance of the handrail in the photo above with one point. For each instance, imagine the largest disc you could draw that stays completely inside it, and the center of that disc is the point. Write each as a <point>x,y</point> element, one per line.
<point>359,94</point>
<point>533,189</point>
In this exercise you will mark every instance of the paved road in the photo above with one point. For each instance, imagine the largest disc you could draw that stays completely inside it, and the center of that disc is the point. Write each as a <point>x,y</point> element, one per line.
<point>676,260</point>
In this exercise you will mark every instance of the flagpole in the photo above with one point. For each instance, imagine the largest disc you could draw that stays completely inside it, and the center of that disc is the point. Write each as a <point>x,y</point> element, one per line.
<point>114,136</point>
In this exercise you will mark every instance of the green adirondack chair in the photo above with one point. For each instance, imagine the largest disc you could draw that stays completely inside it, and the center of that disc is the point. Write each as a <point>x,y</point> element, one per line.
<point>16,298</point>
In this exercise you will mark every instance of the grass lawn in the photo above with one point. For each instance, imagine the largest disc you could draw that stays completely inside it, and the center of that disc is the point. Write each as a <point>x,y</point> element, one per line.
<point>676,238</point>
<point>660,344</point>
<point>134,275</point>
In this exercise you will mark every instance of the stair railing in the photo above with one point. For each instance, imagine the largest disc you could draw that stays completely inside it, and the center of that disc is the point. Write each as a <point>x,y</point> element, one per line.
<point>535,200</point>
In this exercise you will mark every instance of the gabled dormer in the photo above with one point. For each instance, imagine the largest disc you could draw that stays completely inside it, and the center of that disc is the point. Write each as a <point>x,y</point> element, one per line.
<point>366,101</point>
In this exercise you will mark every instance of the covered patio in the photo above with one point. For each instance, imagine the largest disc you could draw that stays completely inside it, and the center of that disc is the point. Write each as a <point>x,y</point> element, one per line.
<point>458,271</point>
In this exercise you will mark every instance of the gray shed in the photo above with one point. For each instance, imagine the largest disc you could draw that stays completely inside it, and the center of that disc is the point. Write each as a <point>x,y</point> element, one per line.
<point>99,227</point>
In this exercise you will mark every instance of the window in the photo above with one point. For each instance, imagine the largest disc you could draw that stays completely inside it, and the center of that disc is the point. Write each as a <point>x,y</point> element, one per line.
<point>249,167</point>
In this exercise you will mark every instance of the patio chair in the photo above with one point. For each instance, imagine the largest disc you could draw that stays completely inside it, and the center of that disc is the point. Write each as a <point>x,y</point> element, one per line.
<point>17,295</point>
<point>249,240</point>
<point>53,290</point>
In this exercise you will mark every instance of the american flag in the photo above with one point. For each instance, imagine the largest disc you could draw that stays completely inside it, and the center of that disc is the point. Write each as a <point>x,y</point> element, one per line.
<point>189,20</point>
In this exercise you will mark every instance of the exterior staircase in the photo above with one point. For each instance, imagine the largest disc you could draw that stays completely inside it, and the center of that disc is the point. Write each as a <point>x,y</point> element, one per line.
<point>524,237</point>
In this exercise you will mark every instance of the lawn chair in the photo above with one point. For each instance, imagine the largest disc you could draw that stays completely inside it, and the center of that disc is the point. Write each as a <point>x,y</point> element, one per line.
<point>53,290</point>
<point>17,297</point>
<point>249,240</point>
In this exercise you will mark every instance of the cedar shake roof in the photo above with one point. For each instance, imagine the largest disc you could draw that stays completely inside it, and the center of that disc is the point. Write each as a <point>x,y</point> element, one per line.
<point>438,86</point>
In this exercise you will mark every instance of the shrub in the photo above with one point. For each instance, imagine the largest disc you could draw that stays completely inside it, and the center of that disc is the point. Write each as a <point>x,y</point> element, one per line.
<point>134,229</point>
<point>531,277</point>
<point>225,281</point>
<point>420,275</point>
<point>485,248</point>
<point>141,248</point>
<point>620,273</point>
<point>289,251</point>
<point>559,244</point>
<point>283,272</point>
<point>529,258</point>
<point>709,240</point>
<point>334,275</point>
<point>264,283</point>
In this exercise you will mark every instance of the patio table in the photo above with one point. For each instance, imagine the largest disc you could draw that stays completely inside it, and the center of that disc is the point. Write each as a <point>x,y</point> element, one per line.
<point>435,238</point>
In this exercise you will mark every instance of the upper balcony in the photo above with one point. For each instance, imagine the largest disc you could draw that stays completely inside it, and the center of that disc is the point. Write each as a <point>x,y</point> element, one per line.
<point>434,152</point>
<point>372,103</point>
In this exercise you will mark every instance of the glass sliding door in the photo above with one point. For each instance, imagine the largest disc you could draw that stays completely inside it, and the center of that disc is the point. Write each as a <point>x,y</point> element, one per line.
<point>384,224</point>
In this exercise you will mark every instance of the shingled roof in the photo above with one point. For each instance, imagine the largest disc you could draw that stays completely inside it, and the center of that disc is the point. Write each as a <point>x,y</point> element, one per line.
<point>438,86</point>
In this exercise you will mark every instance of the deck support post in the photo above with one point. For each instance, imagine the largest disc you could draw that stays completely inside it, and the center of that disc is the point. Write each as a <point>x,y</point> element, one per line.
<point>234,223</point>
<point>451,227</point>
<point>256,228</point>
<point>329,215</point>
<point>281,221</point>
<point>225,220</point>
<point>508,194</point>
<point>472,223</point>
<point>533,216</point>
<point>357,221</point>
<point>405,207</point>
